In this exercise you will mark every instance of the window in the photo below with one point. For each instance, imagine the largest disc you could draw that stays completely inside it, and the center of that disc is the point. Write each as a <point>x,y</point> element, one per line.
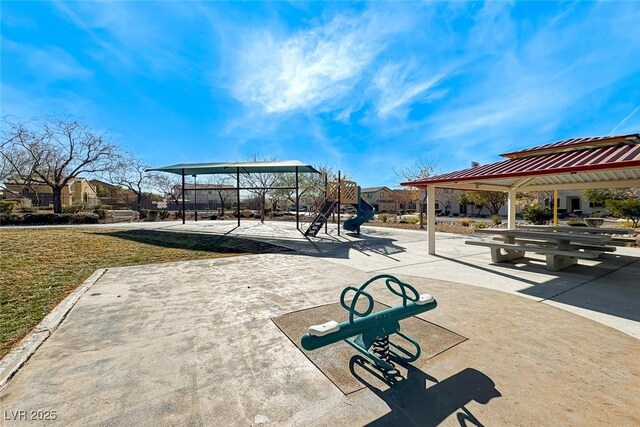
<point>382,195</point>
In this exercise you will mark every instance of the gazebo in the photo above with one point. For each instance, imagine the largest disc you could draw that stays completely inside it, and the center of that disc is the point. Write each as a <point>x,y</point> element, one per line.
<point>576,163</point>
<point>238,168</point>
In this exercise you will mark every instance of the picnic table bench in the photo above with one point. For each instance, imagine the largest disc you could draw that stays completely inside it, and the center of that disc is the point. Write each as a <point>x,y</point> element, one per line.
<point>561,249</point>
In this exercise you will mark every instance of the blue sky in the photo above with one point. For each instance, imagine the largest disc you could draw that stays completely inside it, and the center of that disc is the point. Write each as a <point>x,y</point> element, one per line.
<point>362,87</point>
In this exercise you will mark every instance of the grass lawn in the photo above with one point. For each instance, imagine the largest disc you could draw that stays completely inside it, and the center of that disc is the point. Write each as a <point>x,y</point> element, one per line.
<point>40,267</point>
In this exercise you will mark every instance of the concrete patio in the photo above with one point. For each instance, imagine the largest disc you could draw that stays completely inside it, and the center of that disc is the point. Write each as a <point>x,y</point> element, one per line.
<point>193,343</point>
<point>606,290</point>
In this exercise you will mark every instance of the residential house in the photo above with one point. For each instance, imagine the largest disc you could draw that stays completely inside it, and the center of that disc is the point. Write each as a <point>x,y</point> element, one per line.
<point>76,192</point>
<point>206,196</point>
<point>381,198</point>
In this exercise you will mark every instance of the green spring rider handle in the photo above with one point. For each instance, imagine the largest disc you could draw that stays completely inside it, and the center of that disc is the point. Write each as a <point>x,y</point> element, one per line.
<point>369,333</point>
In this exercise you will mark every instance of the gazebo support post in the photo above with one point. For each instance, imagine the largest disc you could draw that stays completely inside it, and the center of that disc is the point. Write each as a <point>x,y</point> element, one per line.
<point>431,219</point>
<point>511,209</point>
<point>555,207</point>
<point>238,195</point>
<point>183,204</point>
<point>297,202</point>
<point>339,196</point>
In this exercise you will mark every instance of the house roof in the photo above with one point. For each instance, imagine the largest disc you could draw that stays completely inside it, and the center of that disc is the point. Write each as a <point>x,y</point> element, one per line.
<point>572,163</point>
<point>286,166</point>
<point>374,189</point>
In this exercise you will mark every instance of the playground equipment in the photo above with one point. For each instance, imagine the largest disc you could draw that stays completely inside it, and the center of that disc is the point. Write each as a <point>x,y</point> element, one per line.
<point>339,192</point>
<point>365,213</point>
<point>369,333</point>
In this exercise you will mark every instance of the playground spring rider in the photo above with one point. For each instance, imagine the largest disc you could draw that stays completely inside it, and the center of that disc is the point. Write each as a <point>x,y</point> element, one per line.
<point>369,333</point>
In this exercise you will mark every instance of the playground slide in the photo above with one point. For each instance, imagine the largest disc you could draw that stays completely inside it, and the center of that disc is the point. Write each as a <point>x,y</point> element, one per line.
<point>365,213</point>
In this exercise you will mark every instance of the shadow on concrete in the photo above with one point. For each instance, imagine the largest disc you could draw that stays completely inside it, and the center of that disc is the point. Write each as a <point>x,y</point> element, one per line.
<point>413,403</point>
<point>210,242</point>
<point>584,286</point>
<point>197,241</point>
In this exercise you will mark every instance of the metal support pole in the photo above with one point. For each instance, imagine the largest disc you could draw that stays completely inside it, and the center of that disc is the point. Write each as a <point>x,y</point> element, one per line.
<point>431,219</point>
<point>183,206</point>
<point>326,195</point>
<point>555,207</point>
<point>238,195</point>
<point>297,202</point>
<point>339,205</point>
<point>195,198</point>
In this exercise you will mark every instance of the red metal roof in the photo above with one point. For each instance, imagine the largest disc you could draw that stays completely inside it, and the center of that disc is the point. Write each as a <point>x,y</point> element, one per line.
<point>571,144</point>
<point>613,152</point>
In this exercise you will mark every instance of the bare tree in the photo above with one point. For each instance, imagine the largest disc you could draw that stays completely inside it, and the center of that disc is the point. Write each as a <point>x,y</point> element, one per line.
<point>420,170</point>
<point>445,198</point>
<point>260,183</point>
<point>402,198</point>
<point>12,160</point>
<point>131,173</point>
<point>167,185</point>
<point>222,186</point>
<point>55,152</point>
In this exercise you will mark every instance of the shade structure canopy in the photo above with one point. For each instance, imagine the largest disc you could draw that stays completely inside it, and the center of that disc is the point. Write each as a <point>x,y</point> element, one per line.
<point>595,162</point>
<point>576,163</point>
<point>238,168</point>
<point>287,166</point>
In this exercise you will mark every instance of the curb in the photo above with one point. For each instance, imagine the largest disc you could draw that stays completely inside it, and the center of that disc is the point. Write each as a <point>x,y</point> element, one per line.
<point>16,358</point>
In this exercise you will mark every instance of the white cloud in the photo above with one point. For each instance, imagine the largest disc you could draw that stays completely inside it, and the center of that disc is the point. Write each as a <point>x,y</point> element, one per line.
<point>127,36</point>
<point>48,63</point>
<point>318,65</point>
<point>630,123</point>
<point>401,84</point>
<point>56,64</point>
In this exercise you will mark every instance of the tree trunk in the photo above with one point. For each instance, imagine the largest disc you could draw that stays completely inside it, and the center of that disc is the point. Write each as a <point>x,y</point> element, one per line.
<point>57,199</point>
<point>139,201</point>
<point>421,216</point>
<point>263,207</point>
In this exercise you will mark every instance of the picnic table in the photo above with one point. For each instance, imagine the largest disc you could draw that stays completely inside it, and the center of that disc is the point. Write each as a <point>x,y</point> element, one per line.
<point>560,248</point>
<point>620,236</point>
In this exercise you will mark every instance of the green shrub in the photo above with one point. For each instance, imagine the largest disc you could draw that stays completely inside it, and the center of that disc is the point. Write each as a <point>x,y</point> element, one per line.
<point>384,218</point>
<point>496,219</point>
<point>628,208</point>
<point>152,215</point>
<point>144,213</point>
<point>7,207</point>
<point>163,214</point>
<point>480,224</point>
<point>100,211</point>
<point>84,218</point>
<point>9,219</point>
<point>465,222</point>
<point>49,219</point>
<point>574,223</point>
<point>72,209</point>
<point>409,220</point>
<point>538,215</point>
